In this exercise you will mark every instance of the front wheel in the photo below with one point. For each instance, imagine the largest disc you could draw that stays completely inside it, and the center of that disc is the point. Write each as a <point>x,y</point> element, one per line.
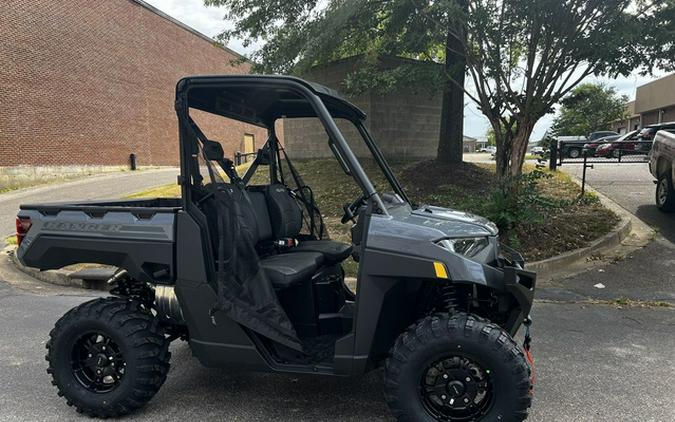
<point>665,194</point>
<point>108,357</point>
<point>457,368</point>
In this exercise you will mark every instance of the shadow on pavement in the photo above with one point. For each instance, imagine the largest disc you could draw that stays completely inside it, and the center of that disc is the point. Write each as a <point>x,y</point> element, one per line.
<point>663,222</point>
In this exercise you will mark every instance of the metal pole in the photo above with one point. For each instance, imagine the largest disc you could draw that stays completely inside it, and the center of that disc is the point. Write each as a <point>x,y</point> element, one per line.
<point>583,178</point>
<point>553,155</point>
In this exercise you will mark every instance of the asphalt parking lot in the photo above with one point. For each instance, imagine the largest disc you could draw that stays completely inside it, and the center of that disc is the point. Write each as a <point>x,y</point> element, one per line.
<point>595,361</point>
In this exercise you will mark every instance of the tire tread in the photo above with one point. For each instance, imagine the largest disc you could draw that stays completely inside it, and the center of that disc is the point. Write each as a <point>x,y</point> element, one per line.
<point>150,350</point>
<point>438,326</point>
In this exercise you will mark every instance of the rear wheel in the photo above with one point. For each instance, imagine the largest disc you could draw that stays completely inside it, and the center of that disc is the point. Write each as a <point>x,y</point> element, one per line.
<point>457,368</point>
<point>574,153</point>
<point>665,196</point>
<point>107,357</point>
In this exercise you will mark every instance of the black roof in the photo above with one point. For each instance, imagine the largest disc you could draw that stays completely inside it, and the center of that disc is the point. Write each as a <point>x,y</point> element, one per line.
<point>261,99</point>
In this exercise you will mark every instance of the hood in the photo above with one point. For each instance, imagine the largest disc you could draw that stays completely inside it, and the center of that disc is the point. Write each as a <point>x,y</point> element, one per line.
<point>434,223</point>
<point>460,221</point>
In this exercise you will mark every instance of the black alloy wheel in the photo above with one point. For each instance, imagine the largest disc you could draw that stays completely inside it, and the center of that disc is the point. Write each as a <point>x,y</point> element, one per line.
<point>456,388</point>
<point>97,363</point>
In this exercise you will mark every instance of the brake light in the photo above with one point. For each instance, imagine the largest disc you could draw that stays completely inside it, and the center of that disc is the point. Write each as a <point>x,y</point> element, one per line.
<point>22,226</point>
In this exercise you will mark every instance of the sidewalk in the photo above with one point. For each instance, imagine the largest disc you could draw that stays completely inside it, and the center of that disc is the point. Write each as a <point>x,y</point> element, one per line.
<point>107,186</point>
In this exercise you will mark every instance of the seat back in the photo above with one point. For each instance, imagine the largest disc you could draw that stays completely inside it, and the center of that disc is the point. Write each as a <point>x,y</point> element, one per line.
<point>262,215</point>
<point>284,212</point>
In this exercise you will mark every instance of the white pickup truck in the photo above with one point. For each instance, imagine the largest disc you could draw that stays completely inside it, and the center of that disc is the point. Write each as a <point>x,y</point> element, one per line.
<point>662,167</point>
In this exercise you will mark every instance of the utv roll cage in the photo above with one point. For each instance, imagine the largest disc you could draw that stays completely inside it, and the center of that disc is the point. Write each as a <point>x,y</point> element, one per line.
<point>260,101</point>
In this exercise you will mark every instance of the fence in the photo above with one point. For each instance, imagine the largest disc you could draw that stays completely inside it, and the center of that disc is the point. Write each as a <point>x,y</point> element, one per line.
<point>241,158</point>
<point>588,154</point>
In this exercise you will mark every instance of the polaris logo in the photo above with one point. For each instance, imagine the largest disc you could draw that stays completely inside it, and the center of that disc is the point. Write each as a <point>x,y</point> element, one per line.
<point>81,227</point>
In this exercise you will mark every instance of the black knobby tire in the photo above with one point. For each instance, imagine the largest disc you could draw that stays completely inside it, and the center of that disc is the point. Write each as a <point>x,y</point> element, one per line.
<point>137,337</point>
<point>465,337</point>
<point>665,195</point>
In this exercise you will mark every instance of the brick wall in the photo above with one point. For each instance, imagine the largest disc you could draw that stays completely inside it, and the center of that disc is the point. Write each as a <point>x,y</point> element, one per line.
<point>89,82</point>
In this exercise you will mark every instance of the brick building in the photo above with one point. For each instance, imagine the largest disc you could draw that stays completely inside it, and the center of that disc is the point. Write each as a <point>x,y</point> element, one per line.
<point>90,82</point>
<point>405,123</point>
<point>654,103</point>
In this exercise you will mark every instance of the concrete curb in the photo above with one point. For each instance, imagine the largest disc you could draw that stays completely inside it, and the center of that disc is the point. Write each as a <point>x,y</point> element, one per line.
<point>557,264</point>
<point>58,277</point>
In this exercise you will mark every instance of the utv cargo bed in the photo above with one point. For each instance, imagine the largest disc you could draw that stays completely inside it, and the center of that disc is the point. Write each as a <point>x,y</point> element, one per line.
<point>134,234</point>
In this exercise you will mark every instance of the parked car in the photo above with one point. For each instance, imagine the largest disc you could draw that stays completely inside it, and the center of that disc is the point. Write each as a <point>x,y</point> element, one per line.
<point>574,148</point>
<point>537,151</point>
<point>662,167</point>
<point>591,147</point>
<point>648,132</point>
<point>438,303</point>
<point>601,134</point>
<point>627,144</point>
<point>489,149</point>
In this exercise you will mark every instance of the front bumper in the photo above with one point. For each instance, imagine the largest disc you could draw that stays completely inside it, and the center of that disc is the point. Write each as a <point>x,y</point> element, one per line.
<point>520,284</point>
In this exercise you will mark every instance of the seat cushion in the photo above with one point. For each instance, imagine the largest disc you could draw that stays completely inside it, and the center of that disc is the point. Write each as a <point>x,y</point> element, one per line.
<point>285,270</point>
<point>332,251</point>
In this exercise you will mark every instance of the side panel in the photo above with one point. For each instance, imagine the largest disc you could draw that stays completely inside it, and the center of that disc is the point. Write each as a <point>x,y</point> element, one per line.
<point>386,304</point>
<point>143,246</point>
<point>224,343</point>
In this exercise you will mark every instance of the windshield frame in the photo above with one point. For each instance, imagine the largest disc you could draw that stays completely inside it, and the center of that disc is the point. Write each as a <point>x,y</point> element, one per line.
<point>381,161</point>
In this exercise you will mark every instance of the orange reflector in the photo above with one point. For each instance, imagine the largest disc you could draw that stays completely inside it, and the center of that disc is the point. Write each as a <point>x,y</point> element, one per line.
<point>441,272</point>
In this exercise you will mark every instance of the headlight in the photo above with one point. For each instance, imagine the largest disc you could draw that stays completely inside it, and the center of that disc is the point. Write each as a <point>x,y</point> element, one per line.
<point>468,246</point>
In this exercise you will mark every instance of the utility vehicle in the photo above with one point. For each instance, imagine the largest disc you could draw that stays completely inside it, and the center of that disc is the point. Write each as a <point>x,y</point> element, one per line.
<point>248,276</point>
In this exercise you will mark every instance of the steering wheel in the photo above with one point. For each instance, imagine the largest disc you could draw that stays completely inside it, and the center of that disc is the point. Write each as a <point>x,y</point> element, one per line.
<point>351,210</point>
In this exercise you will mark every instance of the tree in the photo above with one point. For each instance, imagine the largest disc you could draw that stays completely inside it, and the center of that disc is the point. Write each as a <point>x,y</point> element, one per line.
<point>299,34</point>
<point>522,56</point>
<point>588,108</point>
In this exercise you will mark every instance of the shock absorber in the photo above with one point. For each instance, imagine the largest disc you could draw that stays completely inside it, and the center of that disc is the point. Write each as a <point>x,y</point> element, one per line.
<point>449,297</point>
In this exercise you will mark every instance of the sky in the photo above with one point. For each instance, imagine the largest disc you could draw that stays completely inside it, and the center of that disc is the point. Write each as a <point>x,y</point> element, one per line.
<point>210,21</point>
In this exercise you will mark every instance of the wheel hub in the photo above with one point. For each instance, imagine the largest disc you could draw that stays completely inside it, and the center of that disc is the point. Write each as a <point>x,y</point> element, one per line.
<point>662,193</point>
<point>97,362</point>
<point>456,389</point>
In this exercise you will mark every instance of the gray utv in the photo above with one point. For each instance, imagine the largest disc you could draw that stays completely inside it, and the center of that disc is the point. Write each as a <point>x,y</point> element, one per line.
<point>248,276</point>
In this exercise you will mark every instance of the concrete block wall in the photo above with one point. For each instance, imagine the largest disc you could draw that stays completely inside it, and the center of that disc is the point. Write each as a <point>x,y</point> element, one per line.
<point>405,124</point>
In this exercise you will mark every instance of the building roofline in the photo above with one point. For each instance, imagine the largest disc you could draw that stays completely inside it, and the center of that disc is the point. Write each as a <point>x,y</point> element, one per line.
<point>659,80</point>
<point>175,21</point>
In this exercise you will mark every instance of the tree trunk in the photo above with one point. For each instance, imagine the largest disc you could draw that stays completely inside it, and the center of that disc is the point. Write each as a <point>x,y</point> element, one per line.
<point>511,150</point>
<point>502,157</point>
<point>519,147</point>
<point>451,137</point>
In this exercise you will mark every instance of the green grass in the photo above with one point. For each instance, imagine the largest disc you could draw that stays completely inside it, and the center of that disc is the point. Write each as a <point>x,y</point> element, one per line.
<point>11,240</point>
<point>569,223</point>
<point>165,191</point>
